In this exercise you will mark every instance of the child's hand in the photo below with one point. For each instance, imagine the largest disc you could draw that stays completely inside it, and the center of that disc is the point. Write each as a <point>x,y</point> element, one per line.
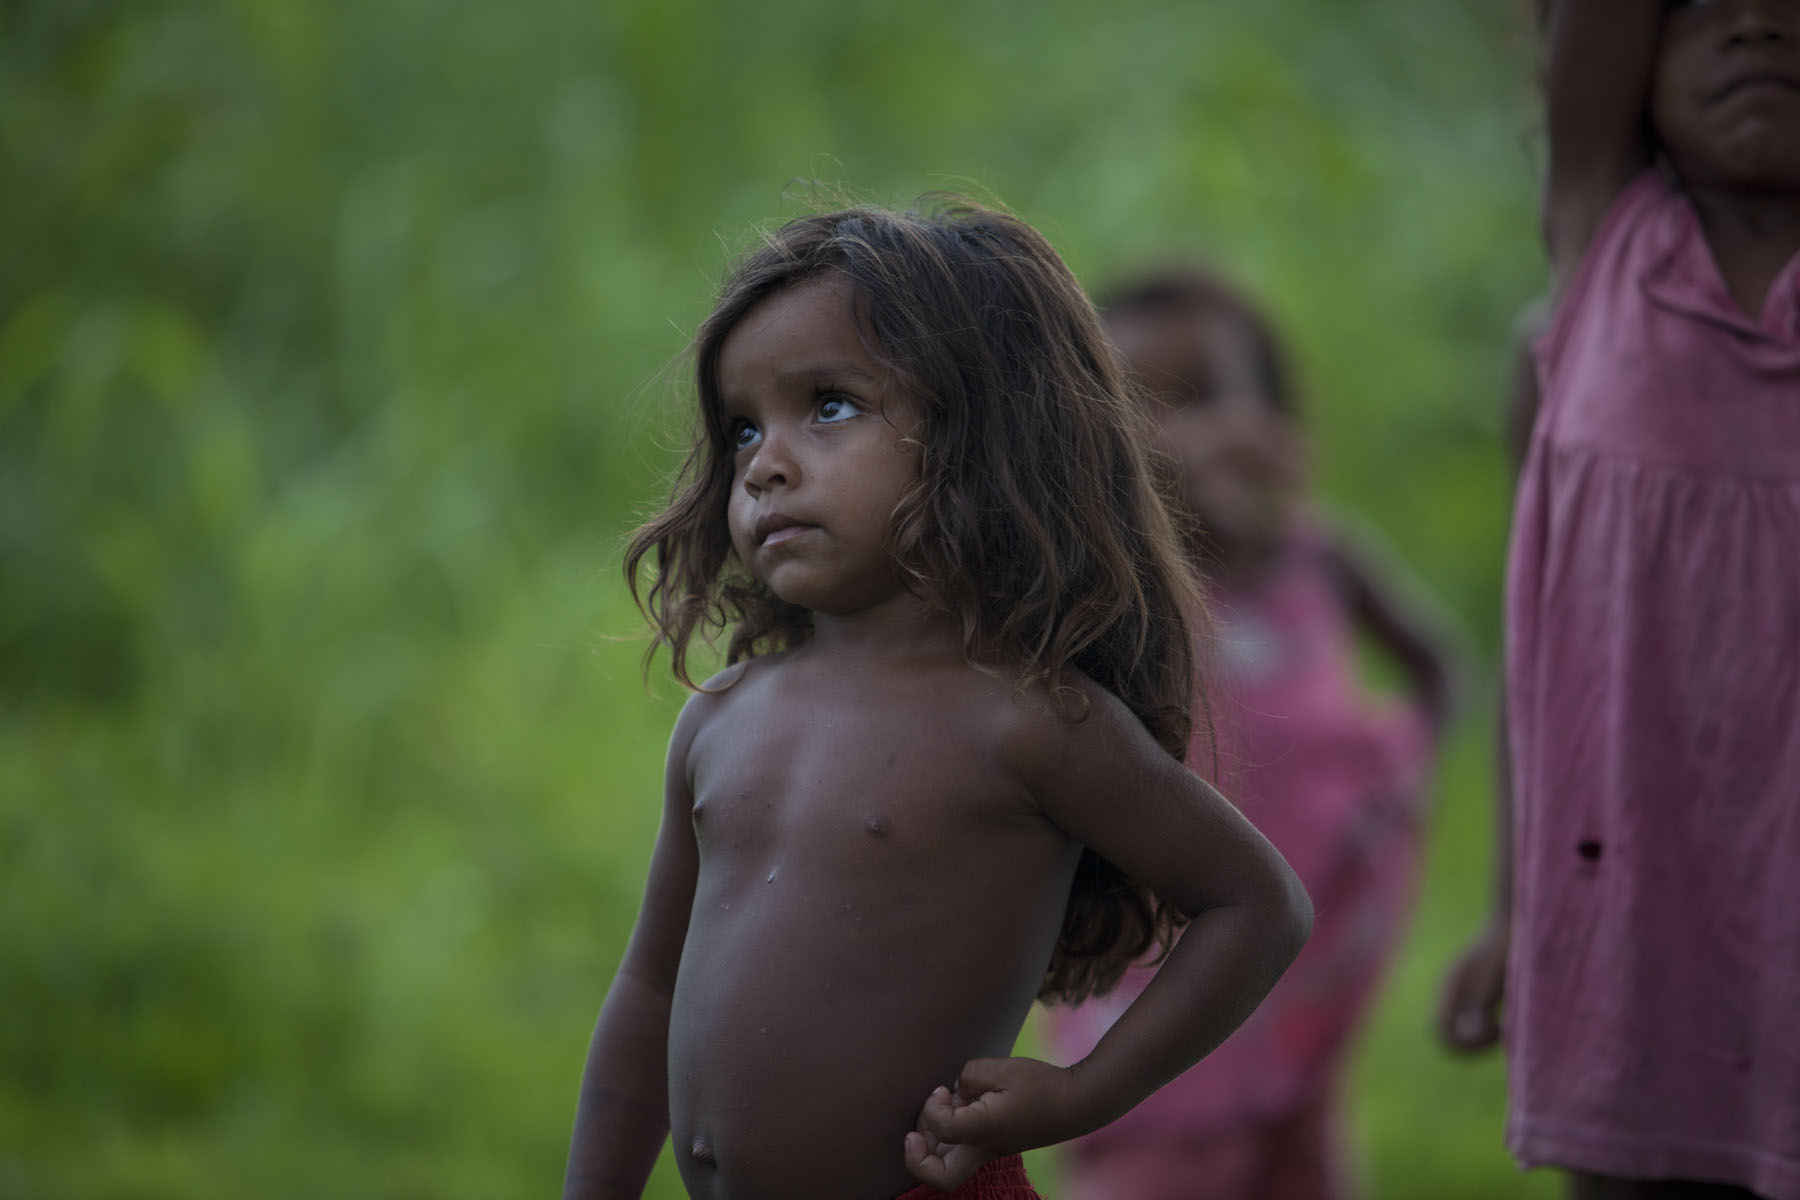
<point>1469,1011</point>
<point>999,1106</point>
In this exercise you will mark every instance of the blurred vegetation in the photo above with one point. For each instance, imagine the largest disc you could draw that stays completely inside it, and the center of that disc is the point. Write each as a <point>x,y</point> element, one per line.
<point>332,347</point>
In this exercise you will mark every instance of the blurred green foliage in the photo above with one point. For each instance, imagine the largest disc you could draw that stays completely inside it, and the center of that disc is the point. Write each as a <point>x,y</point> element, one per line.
<point>332,368</point>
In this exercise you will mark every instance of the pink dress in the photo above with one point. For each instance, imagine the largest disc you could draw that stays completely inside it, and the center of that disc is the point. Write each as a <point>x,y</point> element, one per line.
<point>1334,780</point>
<point>1653,665</point>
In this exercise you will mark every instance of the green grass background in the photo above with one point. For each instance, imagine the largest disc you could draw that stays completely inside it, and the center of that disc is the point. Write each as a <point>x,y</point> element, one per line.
<point>333,346</point>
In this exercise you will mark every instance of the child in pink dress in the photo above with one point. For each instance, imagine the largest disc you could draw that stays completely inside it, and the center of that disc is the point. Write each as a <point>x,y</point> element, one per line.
<point>1653,621</point>
<point>1332,778</point>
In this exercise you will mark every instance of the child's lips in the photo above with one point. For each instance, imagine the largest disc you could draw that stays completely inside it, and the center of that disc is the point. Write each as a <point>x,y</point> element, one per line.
<point>786,533</point>
<point>1760,83</point>
<point>775,528</point>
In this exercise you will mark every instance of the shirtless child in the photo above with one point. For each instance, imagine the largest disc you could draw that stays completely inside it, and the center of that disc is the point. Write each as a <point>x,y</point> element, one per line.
<point>942,776</point>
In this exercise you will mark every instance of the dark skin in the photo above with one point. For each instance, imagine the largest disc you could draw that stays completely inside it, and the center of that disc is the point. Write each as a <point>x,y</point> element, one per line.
<point>1240,469</point>
<point>866,849</point>
<point>1469,1004</point>
<point>1715,86</point>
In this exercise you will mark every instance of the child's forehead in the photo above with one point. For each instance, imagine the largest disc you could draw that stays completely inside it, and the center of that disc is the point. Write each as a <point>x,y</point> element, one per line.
<point>1188,329</point>
<point>818,319</point>
<point>813,320</point>
<point>804,337</point>
<point>1214,351</point>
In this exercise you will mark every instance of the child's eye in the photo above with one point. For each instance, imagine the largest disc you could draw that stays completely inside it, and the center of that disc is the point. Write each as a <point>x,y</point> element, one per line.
<point>742,434</point>
<point>835,406</point>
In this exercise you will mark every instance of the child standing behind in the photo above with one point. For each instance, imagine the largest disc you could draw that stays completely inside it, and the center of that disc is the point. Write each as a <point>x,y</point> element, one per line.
<point>1653,620</point>
<point>941,776</point>
<point>1332,779</point>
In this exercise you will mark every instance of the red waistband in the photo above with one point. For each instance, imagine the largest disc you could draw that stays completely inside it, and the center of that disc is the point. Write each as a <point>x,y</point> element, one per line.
<point>1001,1179</point>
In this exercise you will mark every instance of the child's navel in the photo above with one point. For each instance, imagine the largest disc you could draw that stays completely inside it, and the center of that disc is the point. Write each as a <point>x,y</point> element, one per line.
<point>876,825</point>
<point>702,1152</point>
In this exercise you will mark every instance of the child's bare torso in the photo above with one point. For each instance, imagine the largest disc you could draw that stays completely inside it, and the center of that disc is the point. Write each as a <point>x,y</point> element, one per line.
<point>877,900</point>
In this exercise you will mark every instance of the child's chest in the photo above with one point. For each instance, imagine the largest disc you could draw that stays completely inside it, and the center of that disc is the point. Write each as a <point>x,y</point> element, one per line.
<point>839,775</point>
<point>1656,365</point>
<point>1667,389</point>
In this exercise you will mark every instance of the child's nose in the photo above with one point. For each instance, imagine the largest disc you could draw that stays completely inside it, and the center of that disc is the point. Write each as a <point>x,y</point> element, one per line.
<point>1762,20</point>
<point>771,464</point>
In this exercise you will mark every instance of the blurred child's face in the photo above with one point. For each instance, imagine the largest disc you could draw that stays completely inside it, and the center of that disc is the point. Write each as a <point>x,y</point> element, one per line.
<point>1237,460</point>
<point>1725,98</point>
<point>821,456</point>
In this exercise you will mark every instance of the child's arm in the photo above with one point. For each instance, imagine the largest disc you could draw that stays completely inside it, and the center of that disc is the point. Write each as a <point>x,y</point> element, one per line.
<point>1601,55</point>
<point>1522,383</point>
<point>1106,783</point>
<point>1468,1016</point>
<point>623,1114</point>
<point>1400,625</point>
<point>1469,1004</point>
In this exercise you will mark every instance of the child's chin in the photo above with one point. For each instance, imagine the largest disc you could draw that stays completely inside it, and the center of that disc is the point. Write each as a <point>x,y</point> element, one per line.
<point>813,599</point>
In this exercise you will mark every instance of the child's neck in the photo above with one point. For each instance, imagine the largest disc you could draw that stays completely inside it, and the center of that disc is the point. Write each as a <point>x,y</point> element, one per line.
<point>1236,568</point>
<point>901,627</point>
<point>1752,236</point>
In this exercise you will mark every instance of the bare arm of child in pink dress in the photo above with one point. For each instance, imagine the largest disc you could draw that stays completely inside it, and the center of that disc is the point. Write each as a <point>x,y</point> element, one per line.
<point>1598,67</point>
<point>1598,70</point>
<point>1469,1002</point>
<point>1400,624</point>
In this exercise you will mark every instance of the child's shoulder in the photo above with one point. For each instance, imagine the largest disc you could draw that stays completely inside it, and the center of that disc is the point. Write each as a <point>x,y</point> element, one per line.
<point>721,682</point>
<point>1635,238</point>
<point>1043,726</point>
<point>707,701</point>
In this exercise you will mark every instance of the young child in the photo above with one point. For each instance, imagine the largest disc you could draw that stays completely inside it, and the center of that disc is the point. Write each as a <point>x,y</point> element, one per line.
<point>1332,778</point>
<point>942,775</point>
<point>1653,619</point>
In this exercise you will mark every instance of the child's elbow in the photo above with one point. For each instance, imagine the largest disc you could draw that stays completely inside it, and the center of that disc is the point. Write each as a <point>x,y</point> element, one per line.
<point>1292,918</point>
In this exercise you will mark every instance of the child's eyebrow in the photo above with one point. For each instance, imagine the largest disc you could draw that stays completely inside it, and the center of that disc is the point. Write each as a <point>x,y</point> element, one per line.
<point>812,375</point>
<point>826,372</point>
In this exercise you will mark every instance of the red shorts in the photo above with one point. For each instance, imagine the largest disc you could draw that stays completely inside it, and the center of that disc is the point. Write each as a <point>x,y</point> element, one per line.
<point>1001,1179</point>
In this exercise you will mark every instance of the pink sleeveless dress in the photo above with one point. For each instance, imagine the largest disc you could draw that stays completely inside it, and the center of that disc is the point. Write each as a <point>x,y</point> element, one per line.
<point>1335,780</point>
<point>1653,666</point>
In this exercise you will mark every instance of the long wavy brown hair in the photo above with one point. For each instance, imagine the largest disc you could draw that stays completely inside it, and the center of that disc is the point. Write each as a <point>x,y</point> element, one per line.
<point>1035,523</point>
